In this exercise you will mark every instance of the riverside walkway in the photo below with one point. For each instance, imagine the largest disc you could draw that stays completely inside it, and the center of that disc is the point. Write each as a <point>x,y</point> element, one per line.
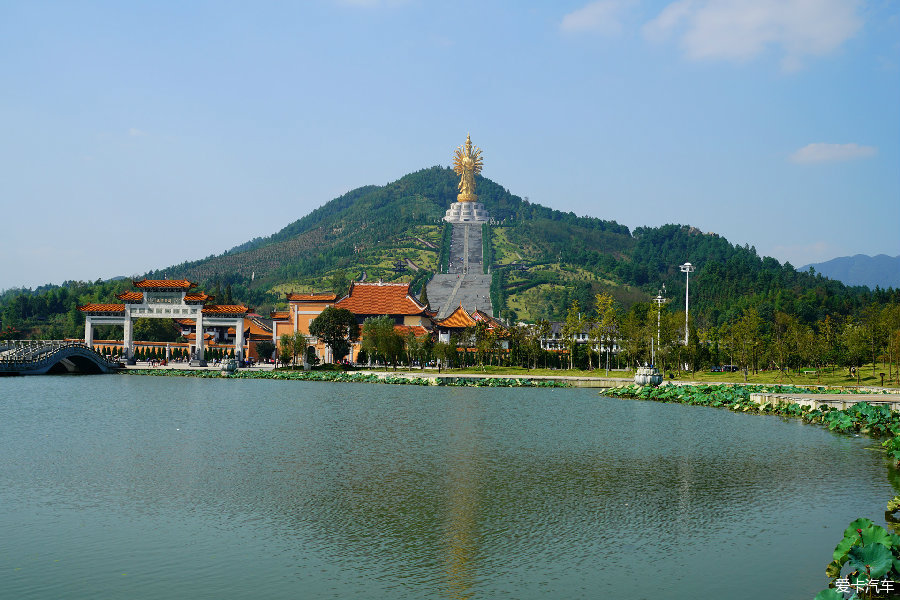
<point>432,375</point>
<point>890,399</point>
<point>451,378</point>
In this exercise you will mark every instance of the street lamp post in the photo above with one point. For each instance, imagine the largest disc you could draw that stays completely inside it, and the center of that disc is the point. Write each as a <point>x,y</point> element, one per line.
<point>659,300</point>
<point>687,268</point>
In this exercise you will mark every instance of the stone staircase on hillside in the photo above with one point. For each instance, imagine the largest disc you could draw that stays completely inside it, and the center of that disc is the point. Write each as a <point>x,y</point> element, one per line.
<point>466,283</point>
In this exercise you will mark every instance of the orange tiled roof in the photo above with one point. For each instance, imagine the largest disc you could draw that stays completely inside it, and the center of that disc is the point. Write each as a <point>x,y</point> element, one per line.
<point>131,296</point>
<point>225,309</point>
<point>102,308</point>
<point>280,315</point>
<point>168,284</point>
<point>458,319</point>
<point>197,297</point>
<point>186,322</point>
<point>255,327</point>
<point>416,330</point>
<point>193,336</point>
<point>380,299</point>
<point>316,297</point>
<point>480,315</point>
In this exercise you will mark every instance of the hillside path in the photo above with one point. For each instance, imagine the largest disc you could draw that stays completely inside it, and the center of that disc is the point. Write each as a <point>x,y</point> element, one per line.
<point>465,284</point>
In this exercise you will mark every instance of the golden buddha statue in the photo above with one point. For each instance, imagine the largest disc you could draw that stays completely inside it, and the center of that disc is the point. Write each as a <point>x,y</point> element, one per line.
<point>467,163</point>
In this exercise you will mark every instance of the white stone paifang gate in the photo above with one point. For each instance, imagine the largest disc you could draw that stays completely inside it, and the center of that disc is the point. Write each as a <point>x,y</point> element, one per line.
<point>165,299</point>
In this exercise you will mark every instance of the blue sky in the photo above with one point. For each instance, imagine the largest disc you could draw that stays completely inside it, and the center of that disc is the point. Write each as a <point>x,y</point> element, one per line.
<point>137,135</point>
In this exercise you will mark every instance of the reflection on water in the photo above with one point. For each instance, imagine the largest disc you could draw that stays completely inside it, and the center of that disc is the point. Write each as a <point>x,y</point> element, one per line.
<point>148,487</point>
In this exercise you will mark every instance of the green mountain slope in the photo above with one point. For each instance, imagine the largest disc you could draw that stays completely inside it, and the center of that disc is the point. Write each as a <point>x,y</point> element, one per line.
<point>542,261</point>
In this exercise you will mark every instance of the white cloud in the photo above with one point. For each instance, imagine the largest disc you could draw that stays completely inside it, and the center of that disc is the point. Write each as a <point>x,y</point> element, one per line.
<point>135,132</point>
<point>603,17</point>
<point>743,29</point>
<point>821,152</point>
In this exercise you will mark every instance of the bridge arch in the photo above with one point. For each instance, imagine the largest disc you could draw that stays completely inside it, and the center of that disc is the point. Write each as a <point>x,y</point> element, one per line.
<point>50,356</point>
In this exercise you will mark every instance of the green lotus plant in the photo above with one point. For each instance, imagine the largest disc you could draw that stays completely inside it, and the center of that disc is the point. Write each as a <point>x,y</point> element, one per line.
<point>866,564</point>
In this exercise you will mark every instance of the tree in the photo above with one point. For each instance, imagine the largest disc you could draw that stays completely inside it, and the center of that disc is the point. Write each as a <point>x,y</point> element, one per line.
<point>378,339</point>
<point>413,346</point>
<point>604,330</point>
<point>298,344</point>
<point>747,331</point>
<point>872,327</point>
<point>155,330</point>
<point>542,331</point>
<point>781,336</point>
<point>423,298</point>
<point>265,349</point>
<point>890,318</point>
<point>571,329</point>
<point>340,283</point>
<point>337,328</point>
<point>857,344</point>
<point>442,352</point>
<point>286,348</point>
<point>481,335</point>
<point>694,349</point>
<point>633,337</point>
<point>518,339</point>
<point>830,335</point>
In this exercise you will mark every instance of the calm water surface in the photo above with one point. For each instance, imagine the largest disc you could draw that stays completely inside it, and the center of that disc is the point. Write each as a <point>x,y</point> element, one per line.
<point>139,487</point>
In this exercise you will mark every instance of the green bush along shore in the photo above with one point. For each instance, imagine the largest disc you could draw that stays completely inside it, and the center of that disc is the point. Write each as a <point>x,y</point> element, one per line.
<point>348,377</point>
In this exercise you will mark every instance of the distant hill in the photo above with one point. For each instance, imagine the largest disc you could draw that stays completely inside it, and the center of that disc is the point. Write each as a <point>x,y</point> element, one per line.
<point>874,271</point>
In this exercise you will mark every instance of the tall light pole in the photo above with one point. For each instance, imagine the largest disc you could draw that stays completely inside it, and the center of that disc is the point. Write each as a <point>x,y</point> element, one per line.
<point>659,300</point>
<point>687,268</point>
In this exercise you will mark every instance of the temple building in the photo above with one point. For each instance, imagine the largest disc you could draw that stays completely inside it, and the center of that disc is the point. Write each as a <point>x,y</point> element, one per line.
<point>460,319</point>
<point>364,300</point>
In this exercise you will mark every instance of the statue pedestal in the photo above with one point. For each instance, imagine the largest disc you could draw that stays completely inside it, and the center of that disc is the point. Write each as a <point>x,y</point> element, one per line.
<point>466,212</point>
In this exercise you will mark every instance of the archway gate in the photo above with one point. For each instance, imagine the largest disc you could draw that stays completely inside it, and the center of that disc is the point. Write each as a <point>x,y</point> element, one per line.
<point>165,299</point>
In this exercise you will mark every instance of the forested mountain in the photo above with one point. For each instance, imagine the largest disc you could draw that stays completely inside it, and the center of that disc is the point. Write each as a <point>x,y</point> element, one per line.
<point>542,261</point>
<point>874,271</point>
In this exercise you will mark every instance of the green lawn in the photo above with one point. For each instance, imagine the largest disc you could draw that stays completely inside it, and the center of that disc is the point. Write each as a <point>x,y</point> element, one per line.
<point>840,377</point>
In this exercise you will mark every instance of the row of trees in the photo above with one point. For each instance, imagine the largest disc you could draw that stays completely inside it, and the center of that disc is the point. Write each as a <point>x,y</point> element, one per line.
<point>645,333</point>
<point>750,341</point>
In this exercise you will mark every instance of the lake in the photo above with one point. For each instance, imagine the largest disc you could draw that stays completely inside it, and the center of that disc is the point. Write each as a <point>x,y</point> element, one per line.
<point>115,486</point>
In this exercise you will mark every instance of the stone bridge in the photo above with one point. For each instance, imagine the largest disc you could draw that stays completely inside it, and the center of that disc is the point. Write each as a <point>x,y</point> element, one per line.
<point>40,357</point>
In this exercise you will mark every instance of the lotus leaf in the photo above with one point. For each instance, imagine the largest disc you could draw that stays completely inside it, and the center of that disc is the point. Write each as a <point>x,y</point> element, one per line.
<point>874,560</point>
<point>843,547</point>
<point>833,570</point>
<point>829,594</point>
<point>857,524</point>
<point>876,535</point>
